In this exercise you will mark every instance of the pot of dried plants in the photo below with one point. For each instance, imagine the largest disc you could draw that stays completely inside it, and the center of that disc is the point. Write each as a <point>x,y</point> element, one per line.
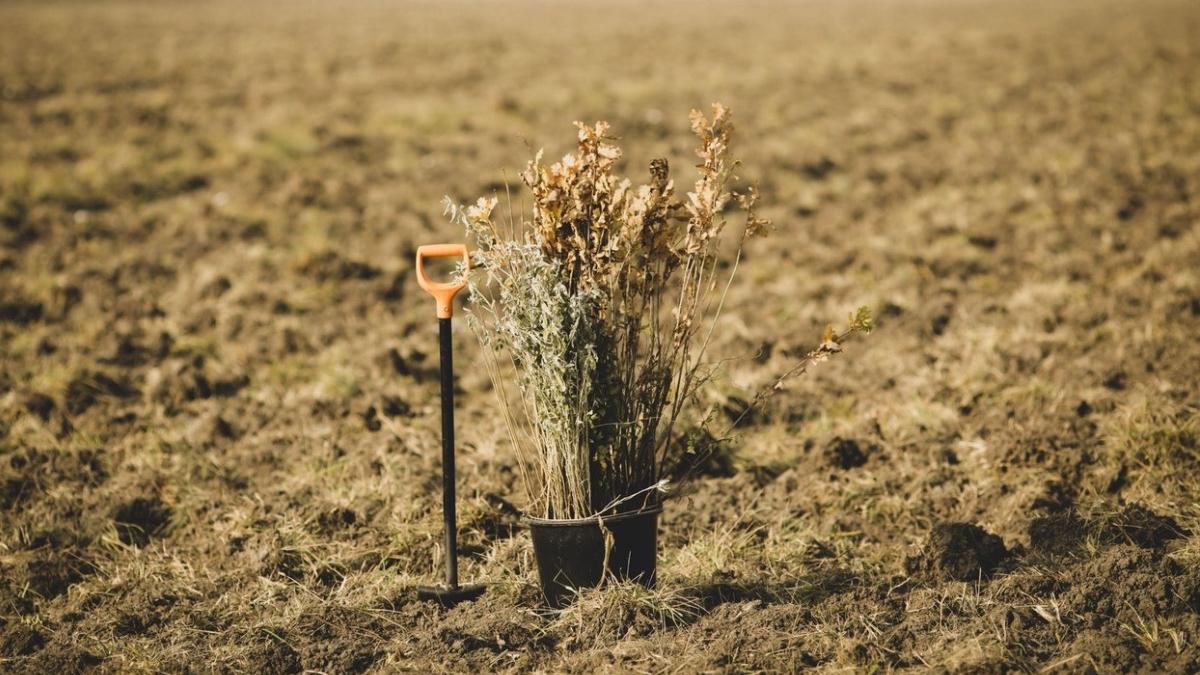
<point>595,310</point>
<point>577,553</point>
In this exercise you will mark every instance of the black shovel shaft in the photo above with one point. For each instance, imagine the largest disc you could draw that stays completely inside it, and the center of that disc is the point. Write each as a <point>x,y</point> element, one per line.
<point>446,347</point>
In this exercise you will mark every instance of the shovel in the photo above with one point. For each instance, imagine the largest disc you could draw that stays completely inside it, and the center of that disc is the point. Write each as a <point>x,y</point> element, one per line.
<point>443,292</point>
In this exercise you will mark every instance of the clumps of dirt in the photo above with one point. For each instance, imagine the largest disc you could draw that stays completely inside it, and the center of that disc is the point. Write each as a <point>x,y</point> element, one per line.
<point>277,558</point>
<point>394,406</point>
<point>1128,604</point>
<point>273,653</point>
<point>958,552</point>
<point>39,404</point>
<point>1134,524</point>
<point>64,298</point>
<point>90,387</point>
<point>57,658</point>
<point>336,657</point>
<point>190,380</point>
<point>337,518</point>
<point>222,428</point>
<point>494,518</point>
<point>401,279</point>
<point>1138,525</point>
<point>43,574</point>
<point>1123,604</point>
<point>600,616</point>
<point>131,350</point>
<point>20,311</point>
<point>813,169</point>
<point>733,587</point>
<point>340,640</point>
<point>216,288</point>
<point>1108,651</point>
<point>1125,582</point>
<point>328,265</point>
<point>370,419</point>
<point>209,430</point>
<point>140,519</point>
<point>939,323</point>
<point>20,640</point>
<point>473,636</point>
<point>740,412</point>
<point>399,364</point>
<point>411,364</point>
<point>15,601</point>
<point>705,455</point>
<point>1057,533</point>
<point>143,611</point>
<point>489,626</point>
<point>27,469</point>
<point>1116,380</point>
<point>14,492</point>
<point>845,453</point>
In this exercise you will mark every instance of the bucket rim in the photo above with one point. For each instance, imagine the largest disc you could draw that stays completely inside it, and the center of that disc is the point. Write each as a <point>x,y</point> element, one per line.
<point>654,509</point>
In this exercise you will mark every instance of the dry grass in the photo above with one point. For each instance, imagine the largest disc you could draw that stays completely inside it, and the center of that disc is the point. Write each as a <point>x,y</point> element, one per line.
<point>218,421</point>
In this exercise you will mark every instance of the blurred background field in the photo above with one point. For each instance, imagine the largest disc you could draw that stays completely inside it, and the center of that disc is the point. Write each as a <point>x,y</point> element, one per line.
<point>218,421</point>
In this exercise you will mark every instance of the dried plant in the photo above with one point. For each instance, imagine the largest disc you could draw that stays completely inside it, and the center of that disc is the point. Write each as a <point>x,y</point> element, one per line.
<point>603,303</point>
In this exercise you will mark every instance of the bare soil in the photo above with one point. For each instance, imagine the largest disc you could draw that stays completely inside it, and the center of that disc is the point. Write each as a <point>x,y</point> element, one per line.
<point>218,378</point>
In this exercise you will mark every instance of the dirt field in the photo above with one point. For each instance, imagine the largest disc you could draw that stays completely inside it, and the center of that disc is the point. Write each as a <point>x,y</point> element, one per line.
<point>218,385</point>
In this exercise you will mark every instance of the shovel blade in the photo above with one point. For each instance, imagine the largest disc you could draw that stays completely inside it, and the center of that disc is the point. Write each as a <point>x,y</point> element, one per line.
<point>448,597</point>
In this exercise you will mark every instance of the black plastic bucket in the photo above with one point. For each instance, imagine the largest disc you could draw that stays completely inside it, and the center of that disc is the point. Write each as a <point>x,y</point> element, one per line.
<point>570,553</point>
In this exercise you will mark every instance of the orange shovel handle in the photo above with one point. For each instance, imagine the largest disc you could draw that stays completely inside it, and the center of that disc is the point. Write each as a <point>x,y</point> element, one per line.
<point>443,292</point>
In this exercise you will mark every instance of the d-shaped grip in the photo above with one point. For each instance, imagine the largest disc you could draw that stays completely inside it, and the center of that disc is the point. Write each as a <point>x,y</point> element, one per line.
<point>443,292</point>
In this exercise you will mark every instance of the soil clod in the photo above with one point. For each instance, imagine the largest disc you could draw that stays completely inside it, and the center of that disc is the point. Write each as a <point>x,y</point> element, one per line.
<point>939,324</point>
<point>394,406</point>
<point>50,574</point>
<point>399,363</point>
<point>140,519</point>
<point>845,453</point>
<point>20,640</point>
<point>328,265</point>
<point>1115,380</point>
<point>370,419</point>
<point>959,552</point>
<point>39,404</point>
<point>706,455</point>
<point>20,311</point>
<point>336,519</point>
<point>222,428</point>
<point>1138,525</point>
<point>15,491</point>
<point>274,656</point>
<point>1057,533</point>
<point>89,388</point>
